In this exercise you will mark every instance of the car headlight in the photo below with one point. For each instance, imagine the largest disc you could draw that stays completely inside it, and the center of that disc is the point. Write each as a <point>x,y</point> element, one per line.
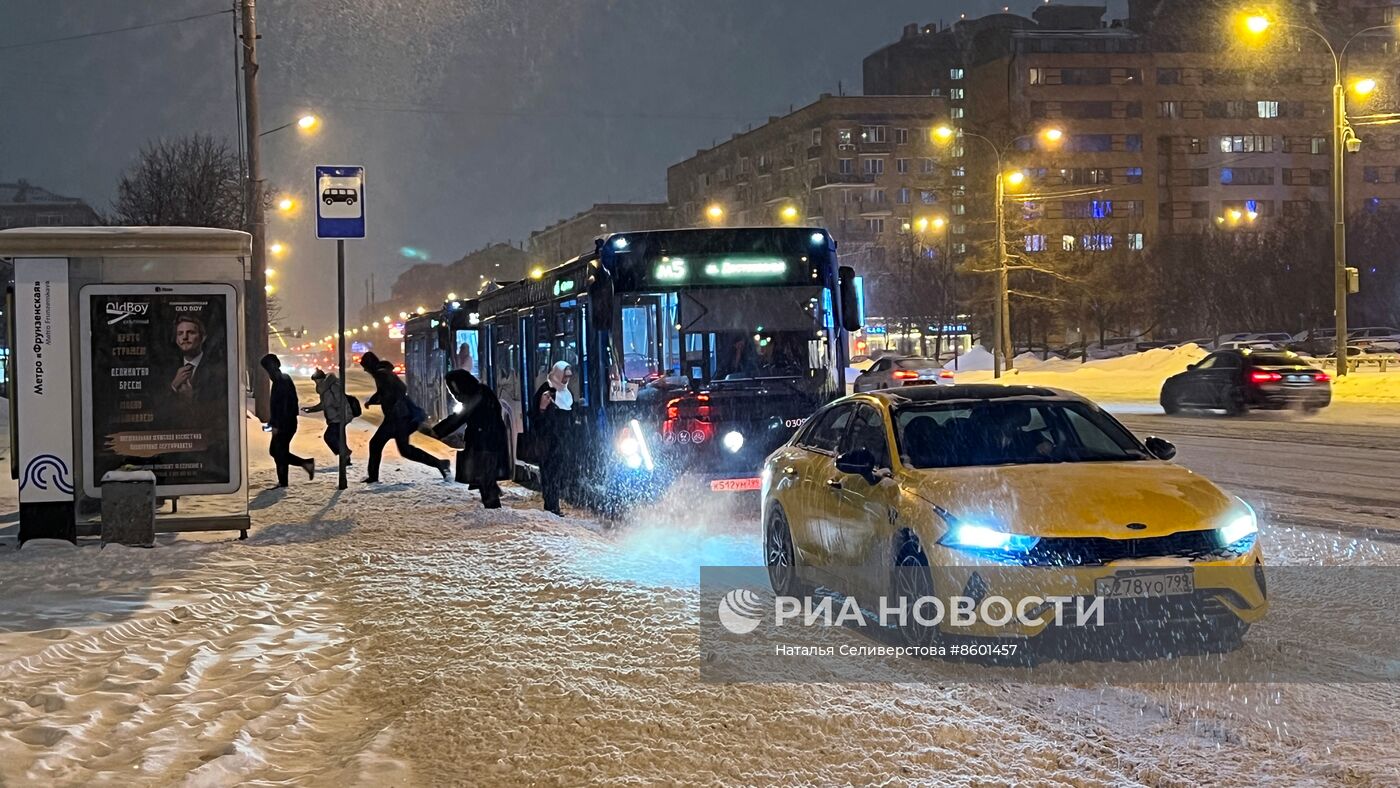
<point>974,536</point>
<point>1243,527</point>
<point>733,441</point>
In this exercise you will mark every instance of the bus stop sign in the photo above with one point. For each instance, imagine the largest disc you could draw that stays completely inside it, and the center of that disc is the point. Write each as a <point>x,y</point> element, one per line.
<point>340,202</point>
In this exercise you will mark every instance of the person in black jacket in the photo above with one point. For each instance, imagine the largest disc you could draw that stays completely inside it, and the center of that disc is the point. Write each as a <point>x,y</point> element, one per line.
<point>484,458</point>
<point>283,421</point>
<point>554,404</point>
<point>401,419</point>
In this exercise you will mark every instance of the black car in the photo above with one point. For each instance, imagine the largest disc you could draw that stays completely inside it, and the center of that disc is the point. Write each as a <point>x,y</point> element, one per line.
<point>1237,380</point>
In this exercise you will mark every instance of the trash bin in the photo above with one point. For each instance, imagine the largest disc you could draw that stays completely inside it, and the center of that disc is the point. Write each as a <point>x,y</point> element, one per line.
<point>129,508</point>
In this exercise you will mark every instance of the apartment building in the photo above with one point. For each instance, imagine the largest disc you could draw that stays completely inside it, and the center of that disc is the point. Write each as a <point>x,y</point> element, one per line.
<point>861,166</point>
<point>1168,126</point>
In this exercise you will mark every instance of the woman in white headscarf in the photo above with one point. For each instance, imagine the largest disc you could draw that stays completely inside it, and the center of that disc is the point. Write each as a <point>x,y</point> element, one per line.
<point>553,405</point>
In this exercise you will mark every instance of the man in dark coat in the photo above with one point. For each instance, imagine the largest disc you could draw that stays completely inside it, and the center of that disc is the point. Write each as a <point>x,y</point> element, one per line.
<point>484,459</point>
<point>283,421</point>
<point>401,419</point>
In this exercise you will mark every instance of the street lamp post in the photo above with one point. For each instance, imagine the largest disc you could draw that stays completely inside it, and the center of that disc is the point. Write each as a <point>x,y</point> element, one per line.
<point>1342,136</point>
<point>1001,301</point>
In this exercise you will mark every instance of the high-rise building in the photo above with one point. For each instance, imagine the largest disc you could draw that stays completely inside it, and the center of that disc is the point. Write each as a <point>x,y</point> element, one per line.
<point>861,166</point>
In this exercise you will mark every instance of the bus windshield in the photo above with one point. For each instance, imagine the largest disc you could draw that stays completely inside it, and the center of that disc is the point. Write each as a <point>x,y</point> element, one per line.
<point>723,338</point>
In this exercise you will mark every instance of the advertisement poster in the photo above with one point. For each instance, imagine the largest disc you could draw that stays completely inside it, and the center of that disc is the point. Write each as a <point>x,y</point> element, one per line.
<point>43,380</point>
<point>161,390</point>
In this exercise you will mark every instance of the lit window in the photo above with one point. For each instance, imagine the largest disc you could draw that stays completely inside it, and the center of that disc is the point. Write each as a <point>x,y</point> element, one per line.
<point>958,172</point>
<point>1101,209</point>
<point>956,94</point>
<point>927,197</point>
<point>1098,242</point>
<point>1035,243</point>
<point>1135,241</point>
<point>843,136</point>
<point>959,208</point>
<point>1133,175</point>
<point>959,248</point>
<point>955,73</point>
<point>1036,76</point>
<point>1067,243</point>
<point>1319,145</point>
<point>1169,109</point>
<point>957,152</point>
<point>956,113</point>
<point>874,134</point>
<point>1268,109</point>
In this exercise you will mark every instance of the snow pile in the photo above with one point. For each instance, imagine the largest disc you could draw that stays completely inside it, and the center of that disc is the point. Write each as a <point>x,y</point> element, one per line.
<point>1137,376</point>
<point>976,359</point>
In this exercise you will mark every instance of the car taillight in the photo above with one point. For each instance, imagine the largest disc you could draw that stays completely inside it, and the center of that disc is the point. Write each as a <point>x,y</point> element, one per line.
<point>904,374</point>
<point>1321,377</point>
<point>673,409</point>
<point>946,374</point>
<point>1260,376</point>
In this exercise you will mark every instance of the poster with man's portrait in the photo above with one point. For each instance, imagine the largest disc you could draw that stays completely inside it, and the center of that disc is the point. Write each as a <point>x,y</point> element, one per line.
<point>160,388</point>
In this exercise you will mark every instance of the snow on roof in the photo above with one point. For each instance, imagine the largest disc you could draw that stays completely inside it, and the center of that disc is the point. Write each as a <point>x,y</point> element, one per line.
<point>25,193</point>
<point>123,241</point>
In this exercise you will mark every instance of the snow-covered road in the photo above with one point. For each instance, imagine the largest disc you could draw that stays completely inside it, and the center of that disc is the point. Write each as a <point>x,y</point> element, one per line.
<point>401,635</point>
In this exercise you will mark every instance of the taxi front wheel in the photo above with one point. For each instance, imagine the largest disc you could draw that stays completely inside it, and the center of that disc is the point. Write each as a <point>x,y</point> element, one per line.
<point>780,555</point>
<point>911,581</point>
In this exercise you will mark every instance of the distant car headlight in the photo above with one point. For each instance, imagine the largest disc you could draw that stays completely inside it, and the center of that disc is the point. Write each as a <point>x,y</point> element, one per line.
<point>974,536</point>
<point>632,445</point>
<point>733,441</point>
<point>1244,526</point>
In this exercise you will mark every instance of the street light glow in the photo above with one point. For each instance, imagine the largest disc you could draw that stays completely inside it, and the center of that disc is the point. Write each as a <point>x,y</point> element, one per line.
<point>537,273</point>
<point>1256,23</point>
<point>1364,86</point>
<point>451,296</point>
<point>277,247</point>
<point>922,223</point>
<point>715,212</point>
<point>308,122</point>
<point>939,222</point>
<point>943,133</point>
<point>1053,135</point>
<point>789,213</point>
<point>286,204</point>
<point>1015,178</point>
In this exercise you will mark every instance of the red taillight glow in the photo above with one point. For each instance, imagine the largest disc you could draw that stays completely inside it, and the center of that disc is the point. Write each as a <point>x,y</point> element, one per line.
<point>1260,376</point>
<point>904,374</point>
<point>1321,377</point>
<point>946,374</point>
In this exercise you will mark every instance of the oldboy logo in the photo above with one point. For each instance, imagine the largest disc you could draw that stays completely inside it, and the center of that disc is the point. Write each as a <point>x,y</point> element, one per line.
<point>121,310</point>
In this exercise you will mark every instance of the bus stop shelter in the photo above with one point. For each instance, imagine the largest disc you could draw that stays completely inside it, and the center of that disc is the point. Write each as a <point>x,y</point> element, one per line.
<point>128,356</point>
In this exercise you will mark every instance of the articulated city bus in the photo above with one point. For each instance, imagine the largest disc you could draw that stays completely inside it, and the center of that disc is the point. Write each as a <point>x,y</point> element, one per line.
<point>695,352</point>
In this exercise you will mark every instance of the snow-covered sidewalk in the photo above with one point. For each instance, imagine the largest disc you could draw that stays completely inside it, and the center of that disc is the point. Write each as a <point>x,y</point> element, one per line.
<point>401,635</point>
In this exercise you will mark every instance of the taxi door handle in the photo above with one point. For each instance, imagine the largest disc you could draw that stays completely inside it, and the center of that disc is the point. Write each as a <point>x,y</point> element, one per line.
<point>834,484</point>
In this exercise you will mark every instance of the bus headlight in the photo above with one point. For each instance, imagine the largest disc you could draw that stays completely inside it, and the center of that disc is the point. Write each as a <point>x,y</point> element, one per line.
<point>733,441</point>
<point>632,446</point>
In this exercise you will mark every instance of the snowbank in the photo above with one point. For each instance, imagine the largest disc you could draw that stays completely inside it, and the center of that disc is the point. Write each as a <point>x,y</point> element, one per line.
<point>1138,377</point>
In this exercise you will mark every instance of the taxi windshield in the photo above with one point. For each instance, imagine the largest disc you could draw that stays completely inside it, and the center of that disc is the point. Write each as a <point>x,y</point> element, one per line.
<point>1010,432</point>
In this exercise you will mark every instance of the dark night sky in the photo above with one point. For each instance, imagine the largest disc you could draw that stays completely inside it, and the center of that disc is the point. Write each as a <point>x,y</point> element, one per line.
<point>478,120</point>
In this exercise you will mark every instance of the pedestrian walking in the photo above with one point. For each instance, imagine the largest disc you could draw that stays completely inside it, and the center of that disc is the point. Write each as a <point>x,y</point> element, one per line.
<point>282,421</point>
<point>484,459</point>
<point>338,411</point>
<point>554,405</point>
<point>401,418</point>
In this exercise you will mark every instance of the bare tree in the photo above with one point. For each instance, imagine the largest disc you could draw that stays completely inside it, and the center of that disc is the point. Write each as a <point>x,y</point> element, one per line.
<point>190,181</point>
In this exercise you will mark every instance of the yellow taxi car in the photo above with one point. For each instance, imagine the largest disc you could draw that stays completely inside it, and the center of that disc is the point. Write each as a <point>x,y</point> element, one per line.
<point>1011,490</point>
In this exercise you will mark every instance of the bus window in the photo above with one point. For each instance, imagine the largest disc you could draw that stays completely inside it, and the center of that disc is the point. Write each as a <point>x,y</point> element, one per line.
<point>566,345</point>
<point>467,352</point>
<point>506,362</point>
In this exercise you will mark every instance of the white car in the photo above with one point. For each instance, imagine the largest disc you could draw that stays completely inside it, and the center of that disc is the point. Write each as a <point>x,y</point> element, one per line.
<point>895,371</point>
<point>1249,344</point>
<point>1376,339</point>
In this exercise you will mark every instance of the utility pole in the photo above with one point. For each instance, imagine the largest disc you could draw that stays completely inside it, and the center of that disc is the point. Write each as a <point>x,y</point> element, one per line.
<point>1341,132</point>
<point>256,297</point>
<point>999,299</point>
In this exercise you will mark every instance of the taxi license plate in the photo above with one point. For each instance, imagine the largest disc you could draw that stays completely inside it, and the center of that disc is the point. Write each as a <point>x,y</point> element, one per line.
<point>736,485</point>
<point>1145,584</point>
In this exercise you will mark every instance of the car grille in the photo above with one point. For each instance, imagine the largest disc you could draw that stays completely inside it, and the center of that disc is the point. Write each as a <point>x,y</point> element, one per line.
<point>1096,551</point>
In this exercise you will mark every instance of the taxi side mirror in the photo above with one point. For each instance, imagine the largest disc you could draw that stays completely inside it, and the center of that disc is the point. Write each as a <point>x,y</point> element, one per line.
<point>1190,367</point>
<point>1160,448</point>
<point>860,462</point>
